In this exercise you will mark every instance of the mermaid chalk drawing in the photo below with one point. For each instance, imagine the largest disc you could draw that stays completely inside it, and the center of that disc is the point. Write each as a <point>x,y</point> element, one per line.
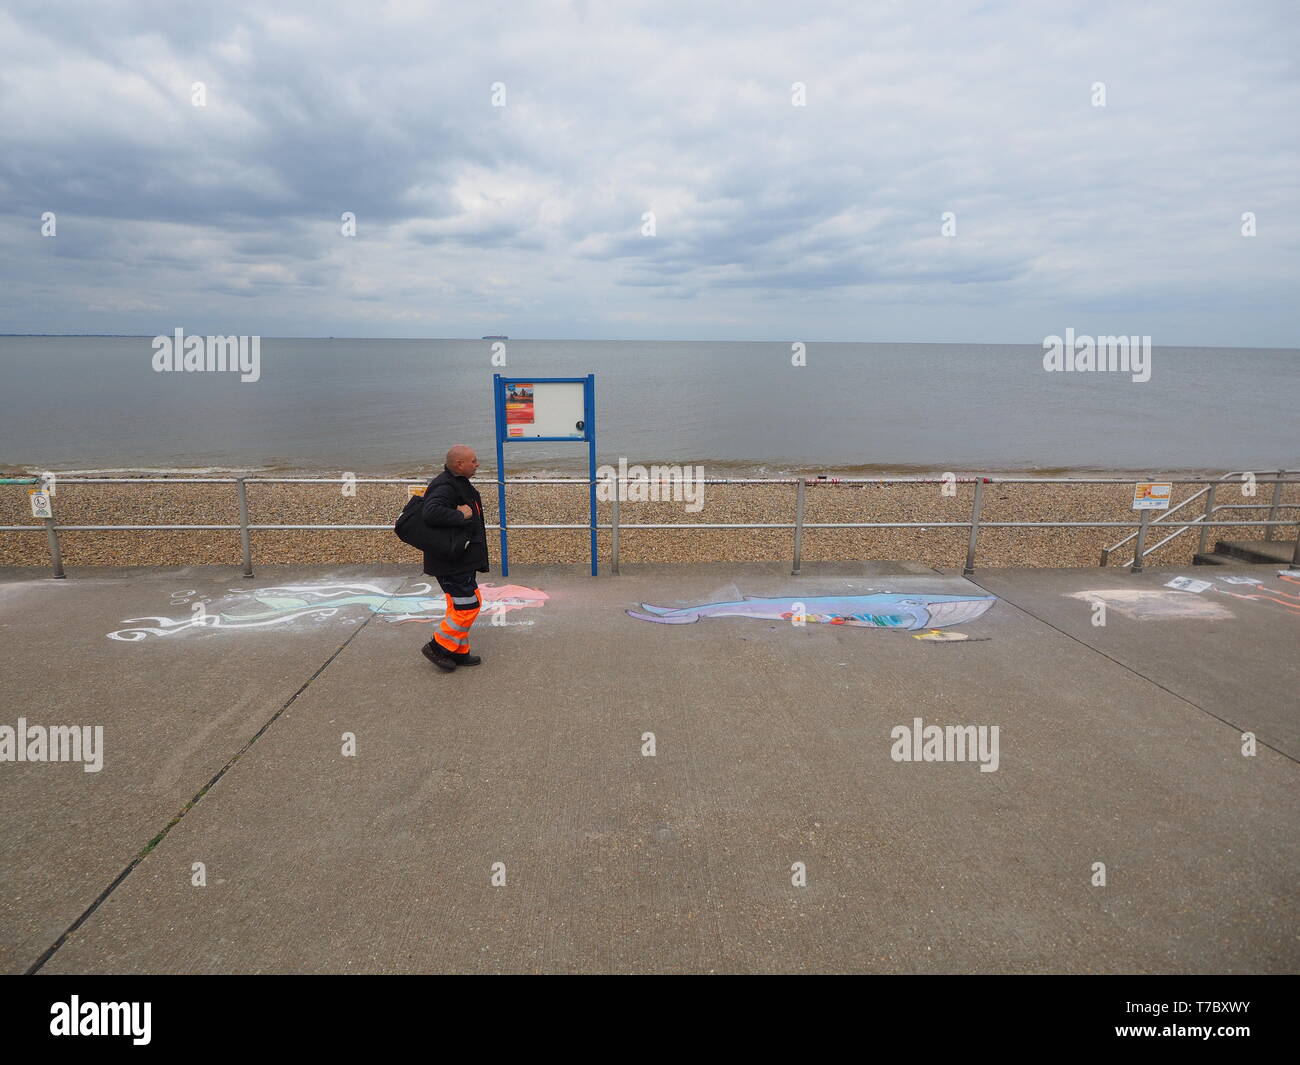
<point>879,610</point>
<point>284,604</point>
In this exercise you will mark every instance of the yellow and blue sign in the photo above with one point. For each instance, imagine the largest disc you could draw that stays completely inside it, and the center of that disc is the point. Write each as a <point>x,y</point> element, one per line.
<point>1152,495</point>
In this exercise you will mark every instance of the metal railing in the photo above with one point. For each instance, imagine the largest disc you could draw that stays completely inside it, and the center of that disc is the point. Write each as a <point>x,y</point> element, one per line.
<point>615,526</point>
<point>1204,521</point>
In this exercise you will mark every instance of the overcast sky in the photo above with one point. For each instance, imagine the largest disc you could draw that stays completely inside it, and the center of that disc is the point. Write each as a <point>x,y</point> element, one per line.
<point>773,221</point>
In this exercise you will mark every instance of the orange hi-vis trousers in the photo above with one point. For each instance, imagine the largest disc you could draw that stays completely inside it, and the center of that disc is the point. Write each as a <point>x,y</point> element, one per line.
<point>464,600</point>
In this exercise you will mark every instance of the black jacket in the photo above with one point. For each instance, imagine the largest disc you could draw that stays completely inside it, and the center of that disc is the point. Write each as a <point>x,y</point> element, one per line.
<point>445,493</point>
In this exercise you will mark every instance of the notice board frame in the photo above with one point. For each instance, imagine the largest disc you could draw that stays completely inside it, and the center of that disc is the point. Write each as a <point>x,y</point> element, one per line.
<point>588,435</point>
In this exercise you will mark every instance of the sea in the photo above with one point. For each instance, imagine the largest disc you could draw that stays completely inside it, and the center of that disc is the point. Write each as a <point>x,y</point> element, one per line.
<point>96,406</point>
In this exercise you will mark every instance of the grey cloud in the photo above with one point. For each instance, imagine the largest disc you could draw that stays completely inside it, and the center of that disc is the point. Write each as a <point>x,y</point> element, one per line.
<point>683,109</point>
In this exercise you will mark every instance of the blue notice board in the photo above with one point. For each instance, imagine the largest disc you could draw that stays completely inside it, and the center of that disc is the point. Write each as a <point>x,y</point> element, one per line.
<point>535,409</point>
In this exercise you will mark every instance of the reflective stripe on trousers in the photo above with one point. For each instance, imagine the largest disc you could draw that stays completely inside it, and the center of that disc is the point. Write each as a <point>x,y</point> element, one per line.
<point>453,630</point>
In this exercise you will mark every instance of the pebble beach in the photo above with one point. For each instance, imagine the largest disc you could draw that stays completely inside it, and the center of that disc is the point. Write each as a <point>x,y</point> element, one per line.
<point>550,504</point>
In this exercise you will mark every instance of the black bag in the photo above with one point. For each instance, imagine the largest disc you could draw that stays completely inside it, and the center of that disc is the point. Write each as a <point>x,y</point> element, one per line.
<point>448,543</point>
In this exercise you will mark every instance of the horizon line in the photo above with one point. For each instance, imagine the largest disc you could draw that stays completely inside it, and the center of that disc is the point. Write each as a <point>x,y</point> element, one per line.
<point>641,340</point>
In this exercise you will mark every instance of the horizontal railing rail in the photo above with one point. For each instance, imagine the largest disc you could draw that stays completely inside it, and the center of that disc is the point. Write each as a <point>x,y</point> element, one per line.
<point>974,524</point>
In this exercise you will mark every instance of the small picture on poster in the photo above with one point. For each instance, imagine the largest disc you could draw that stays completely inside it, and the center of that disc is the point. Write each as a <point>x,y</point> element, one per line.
<point>519,403</point>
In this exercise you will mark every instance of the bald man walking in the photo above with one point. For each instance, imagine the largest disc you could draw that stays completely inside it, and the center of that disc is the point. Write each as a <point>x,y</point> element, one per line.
<point>452,502</point>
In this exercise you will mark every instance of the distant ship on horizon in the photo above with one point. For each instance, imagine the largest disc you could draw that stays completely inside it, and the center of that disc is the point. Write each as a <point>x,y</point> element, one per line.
<point>496,338</point>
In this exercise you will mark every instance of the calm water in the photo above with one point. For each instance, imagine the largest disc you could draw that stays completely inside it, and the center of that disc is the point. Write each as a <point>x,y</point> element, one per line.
<point>373,406</point>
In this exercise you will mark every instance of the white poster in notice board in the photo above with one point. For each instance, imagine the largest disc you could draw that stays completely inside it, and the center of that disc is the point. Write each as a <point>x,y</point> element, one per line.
<point>546,408</point>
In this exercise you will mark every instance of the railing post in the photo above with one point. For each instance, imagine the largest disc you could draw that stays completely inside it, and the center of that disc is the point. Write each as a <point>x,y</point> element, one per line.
<point>613,529</point>
<point>1141,542</point>
<point>1209,516</point>
<point>56,556</point>
<point>245,541</point>
<point>969,568</point>
<point>1272,511</point>
<point>798,524</point>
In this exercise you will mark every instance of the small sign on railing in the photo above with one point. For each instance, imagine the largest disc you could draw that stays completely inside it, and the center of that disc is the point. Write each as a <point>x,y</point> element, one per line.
<point>1152,495</point>
<point>40,503</point>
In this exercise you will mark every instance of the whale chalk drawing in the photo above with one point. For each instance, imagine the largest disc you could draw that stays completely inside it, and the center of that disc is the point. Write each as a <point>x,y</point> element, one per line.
<point>878,610</point>
<point>284,604</point>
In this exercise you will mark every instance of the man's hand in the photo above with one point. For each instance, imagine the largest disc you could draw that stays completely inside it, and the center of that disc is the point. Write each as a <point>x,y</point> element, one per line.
<point>465,510</point>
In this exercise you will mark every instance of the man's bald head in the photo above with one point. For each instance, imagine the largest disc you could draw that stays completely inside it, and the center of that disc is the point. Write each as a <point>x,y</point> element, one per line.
<point>462,461</point>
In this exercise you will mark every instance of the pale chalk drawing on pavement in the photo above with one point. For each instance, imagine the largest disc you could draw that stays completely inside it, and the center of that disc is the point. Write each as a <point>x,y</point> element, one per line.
<point>283,605</point>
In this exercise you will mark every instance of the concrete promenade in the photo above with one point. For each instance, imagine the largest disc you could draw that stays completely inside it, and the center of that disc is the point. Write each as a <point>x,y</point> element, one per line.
<point>224,734</point>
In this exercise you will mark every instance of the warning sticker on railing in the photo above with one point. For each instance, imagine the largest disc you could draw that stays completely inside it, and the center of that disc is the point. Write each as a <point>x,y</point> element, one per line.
<point>40,504</point>
<point>1151,495</point>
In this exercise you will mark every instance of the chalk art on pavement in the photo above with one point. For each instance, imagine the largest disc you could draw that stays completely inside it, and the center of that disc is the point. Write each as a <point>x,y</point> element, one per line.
<point>1197,600</point>
<point>878,610</point>
<point>1289,601</point>
<point>1189,584</point>
<point>1150,604</point>
<point>941,636</point>
<point>284,604</point>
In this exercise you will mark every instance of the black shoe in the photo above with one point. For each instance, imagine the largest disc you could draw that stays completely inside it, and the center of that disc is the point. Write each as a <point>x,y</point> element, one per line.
<point>440,658</point>
<point>467,660</point>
